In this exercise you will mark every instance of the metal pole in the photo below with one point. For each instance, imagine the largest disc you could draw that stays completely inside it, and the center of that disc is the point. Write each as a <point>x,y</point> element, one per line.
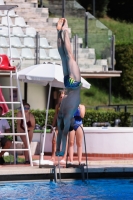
<point>63,8</point>
<point>86,29</point>
<point>110,83</point>
<point>9,36</point>
<point>41,3</point>
<point>113,51</point>
<point>112,64</point>
<point>73,42</point>
<point>94,7</point>
<point>46,120</point>
<point>25,91</point>
<point>37,59</point>
<point>75,47</point>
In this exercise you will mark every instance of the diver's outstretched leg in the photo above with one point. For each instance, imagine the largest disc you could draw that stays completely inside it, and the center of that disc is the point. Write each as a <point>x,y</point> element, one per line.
<point>60,46</point>
<point>63,129</point>
<point>72,81</point>
<point>73,68</point>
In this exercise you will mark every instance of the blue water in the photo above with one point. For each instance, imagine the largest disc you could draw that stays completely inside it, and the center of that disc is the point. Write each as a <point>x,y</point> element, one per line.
<point>95,189</point>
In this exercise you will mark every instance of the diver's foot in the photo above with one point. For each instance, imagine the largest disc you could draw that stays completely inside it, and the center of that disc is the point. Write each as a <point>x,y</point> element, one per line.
<point>81,164</point>
<point>52,158</point>
<point>60,24</point>
<point>70,83</point>
<point>65,25</point>
<point>59,153</point>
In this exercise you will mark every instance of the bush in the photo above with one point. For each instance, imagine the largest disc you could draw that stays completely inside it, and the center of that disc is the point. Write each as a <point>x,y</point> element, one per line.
<point>109,116</point>
<point>91,116</point>
<point>124,63</point>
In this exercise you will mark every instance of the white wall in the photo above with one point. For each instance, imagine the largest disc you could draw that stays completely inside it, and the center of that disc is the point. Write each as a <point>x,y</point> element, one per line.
<point>36,96</point>
<point>111,140</point>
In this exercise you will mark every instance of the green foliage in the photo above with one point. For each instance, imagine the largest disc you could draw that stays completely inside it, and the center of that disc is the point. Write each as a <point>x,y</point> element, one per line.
<point>109,116</point>
<point>91,116</point>
<point>122,30</point>
<point>40,116</point>
<point>121,9</point>
<point>10,158</point>
<point>124,62</point>
<point>100,6</point>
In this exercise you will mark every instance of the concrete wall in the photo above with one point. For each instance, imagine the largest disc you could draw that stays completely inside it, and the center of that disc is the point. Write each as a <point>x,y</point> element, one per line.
<point>99,140</point>
<point>110,140</point>
<point>36,96</point>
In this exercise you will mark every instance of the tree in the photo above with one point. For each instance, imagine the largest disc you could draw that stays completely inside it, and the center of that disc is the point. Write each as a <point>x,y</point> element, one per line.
<point>121,9</point>
<point>100,6</point>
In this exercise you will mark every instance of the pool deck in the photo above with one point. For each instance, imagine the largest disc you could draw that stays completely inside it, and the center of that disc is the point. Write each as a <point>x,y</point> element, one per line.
<point>97,168</point>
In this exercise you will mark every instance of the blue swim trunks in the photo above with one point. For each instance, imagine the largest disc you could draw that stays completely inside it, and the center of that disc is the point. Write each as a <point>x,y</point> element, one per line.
<point>71,83</point>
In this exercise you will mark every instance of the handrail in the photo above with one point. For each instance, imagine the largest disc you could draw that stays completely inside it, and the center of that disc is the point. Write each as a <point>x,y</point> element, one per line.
<point>116,107</point>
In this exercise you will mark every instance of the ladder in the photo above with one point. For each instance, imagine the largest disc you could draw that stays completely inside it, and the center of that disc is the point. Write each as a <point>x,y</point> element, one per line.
<point>7,70</point>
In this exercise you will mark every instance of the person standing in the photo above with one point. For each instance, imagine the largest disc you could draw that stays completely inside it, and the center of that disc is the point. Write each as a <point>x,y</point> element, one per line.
<point>30,122</point>
<point>77,133</point>
<point>54,124</point>
<point>5,143</point>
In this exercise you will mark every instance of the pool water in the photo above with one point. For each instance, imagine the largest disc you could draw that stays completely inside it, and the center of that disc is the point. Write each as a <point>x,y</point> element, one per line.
<point>95,189</point>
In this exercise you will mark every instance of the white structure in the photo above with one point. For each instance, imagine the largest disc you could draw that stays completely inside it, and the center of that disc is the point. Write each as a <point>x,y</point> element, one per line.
<point>19,21</point>
<point>29,42</point>
<point>44,43</point>
<point>54,54</point>
<point>99,140</point>
<point>17,31</point>
<point>43,55</point>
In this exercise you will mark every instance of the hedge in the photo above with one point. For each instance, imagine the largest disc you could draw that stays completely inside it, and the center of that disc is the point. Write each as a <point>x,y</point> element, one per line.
<point>91,116</point>
<point>124,62</point>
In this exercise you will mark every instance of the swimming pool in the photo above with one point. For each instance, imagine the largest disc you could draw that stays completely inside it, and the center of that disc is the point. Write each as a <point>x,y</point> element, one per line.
<point>95,189</point>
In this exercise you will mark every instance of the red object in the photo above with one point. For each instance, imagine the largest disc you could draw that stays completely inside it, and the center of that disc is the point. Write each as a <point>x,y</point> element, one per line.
<point>3,105</point>
<point>5,63</point>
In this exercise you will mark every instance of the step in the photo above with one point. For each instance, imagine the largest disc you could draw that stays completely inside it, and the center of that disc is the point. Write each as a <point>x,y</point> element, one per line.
<point>53,21</point>
<point>15,1</point>
<point>41,10</point>
<point>35,25</point>
<point>32,1</point>
<point>90,68</point>
<point>21,5</point>
<point>12,118</point>
<point>36,19</point>
<point>9,102</point>
<point>7,87</point>
<point>13,134</point>
<point>14,149</point>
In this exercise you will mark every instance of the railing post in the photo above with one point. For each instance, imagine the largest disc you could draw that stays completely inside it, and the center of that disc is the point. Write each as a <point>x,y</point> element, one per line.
<point>63,8</point>
<point>86,29</point>
<point>37,52</point>
<point>113,51</point>
<point>75,47</point>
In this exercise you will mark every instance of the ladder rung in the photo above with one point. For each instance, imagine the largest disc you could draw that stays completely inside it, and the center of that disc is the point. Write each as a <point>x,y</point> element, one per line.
<point>7,73</point>
<point>11,134</point>
<point>14,149</point>
<point>8,87</point>
<point>10,102</point>
<point>11,118</point>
